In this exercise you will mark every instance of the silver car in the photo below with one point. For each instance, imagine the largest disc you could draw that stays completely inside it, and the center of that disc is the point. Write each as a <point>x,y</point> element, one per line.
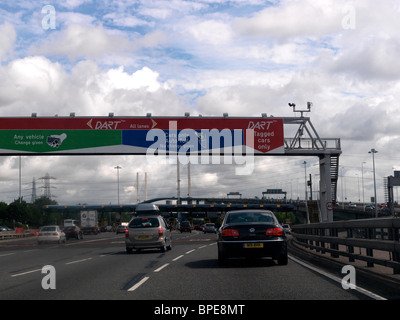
<point>209,228</point>
<point>51,234</point>
<point>146,232</point>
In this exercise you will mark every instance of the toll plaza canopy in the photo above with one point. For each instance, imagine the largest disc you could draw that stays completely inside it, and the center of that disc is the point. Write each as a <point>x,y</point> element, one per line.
<point>137,135</point>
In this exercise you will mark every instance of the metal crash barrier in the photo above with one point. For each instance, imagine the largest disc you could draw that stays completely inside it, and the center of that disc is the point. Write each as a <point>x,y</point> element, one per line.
<point>375,241</point>
<point>18,233</point>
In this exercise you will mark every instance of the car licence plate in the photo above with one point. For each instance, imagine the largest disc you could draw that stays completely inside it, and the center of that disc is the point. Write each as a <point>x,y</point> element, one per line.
<point>253,245</point>
<point>143,237</point>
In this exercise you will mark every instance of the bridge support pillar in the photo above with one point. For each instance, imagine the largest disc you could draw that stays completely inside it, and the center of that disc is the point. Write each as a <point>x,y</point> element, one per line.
<point>325,187</point>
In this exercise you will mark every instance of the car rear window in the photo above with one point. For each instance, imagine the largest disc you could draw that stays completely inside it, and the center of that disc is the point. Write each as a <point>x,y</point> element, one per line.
<point>48,229</point>
<point>144,223</point>
<point>242,217</point>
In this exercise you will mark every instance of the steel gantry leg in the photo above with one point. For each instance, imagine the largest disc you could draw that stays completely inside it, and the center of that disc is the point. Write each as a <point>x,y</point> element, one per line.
<point>326,189</point>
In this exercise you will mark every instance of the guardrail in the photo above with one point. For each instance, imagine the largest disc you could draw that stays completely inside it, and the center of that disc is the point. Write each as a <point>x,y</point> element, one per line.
<point>13,235</point>
<point>375,241</point>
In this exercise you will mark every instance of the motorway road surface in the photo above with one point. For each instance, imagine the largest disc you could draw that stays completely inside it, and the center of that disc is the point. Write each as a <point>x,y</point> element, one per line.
<point>98,267</point>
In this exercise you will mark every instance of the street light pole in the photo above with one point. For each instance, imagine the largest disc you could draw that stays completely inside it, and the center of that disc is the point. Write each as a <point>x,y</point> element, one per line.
<point>373,151</point>
<point>305,186</point>
<point>118,167</point>
<point>362,180</point>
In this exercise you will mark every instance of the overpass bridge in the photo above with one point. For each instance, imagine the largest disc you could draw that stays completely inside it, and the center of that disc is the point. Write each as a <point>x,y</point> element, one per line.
<point>201,207</point>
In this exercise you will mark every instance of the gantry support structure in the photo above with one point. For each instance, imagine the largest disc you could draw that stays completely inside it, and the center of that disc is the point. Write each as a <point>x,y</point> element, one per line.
<point>306,142</point>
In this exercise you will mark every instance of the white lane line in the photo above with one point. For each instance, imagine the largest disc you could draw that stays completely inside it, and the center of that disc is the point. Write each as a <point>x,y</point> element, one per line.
<point>177,258</point>
<point>359,289</point>
<point>7,254</point>
<point>162,267</point>
<point>21,274</point>
<point>137,285</point>
<point>202,247</point>
<point>190,251</point>
<point>77,261</point>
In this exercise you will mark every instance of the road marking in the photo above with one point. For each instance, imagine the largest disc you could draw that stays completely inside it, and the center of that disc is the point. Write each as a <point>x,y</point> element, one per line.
<point>137,285</point>
<point>177,258</point>
<point>190,251</point>
<point>162,267</point>
<point>202,247</point>
<point>7,254</point>
<point>77,261</point>
<point>107,240</point>
<point>21,274</point>
<point>337,279</point>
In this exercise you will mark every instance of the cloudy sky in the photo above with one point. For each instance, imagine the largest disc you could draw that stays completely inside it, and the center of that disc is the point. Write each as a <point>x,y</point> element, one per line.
<point>204,57</point>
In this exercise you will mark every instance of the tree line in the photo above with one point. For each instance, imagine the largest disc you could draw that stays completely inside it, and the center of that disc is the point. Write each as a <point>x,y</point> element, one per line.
<point>20,213</point>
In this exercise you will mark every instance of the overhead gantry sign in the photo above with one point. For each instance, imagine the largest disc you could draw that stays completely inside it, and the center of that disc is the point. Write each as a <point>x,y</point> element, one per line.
<point>138,135</point>
<point>183,136</point>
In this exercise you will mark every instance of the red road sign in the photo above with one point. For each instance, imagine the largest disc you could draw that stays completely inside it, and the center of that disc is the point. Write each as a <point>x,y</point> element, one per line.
<point>67,134</point>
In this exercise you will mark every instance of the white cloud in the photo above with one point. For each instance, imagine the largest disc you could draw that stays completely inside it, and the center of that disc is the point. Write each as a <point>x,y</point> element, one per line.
<point>292,19</point>
<point>79,41</point>
<point>72,4</point>
<point>211,31</point>
<point>7,40</point>
<point>35,84</point>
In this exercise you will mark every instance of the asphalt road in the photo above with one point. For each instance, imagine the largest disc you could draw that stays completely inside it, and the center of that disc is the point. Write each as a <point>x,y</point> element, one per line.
<point>98,267</point>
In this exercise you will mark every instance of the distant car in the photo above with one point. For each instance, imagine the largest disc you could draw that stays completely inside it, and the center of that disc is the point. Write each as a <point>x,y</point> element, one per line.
<point>51,234</point>
<point>209,228</point>
<point>352,205</point>
<point>3,228</point>
<point>286,228</point>
<point>73,232</point>
<point>146,232</point>
<point>121,229</point>
<point>185,227</point>
<point>251,233</point>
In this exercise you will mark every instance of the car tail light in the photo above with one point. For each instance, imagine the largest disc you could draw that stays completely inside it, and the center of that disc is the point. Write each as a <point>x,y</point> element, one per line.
<point>126,233</point>
<point>274,232</point>
<point>230,233</point>
<point>160,232</point>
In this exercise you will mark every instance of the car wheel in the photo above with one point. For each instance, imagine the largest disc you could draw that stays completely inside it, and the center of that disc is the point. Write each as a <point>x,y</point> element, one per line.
<point>170,245</point>
<point>163,248</point>
<point>129,250</point>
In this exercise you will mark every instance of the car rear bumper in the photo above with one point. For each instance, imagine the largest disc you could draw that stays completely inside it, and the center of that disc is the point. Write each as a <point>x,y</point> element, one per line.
<point>49,239</point>
<point>267,248</point>
<point>141,244</point>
